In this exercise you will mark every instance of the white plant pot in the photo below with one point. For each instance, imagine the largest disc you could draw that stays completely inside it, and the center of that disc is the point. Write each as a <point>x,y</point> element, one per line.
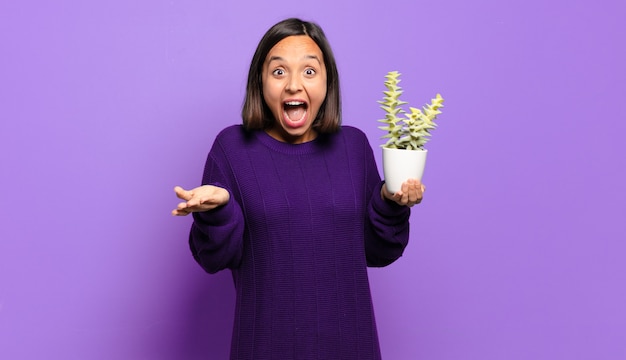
<point>399,165</point>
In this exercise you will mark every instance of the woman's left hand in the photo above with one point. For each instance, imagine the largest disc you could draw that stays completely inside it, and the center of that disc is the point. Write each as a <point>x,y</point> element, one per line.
<point>411,193</point>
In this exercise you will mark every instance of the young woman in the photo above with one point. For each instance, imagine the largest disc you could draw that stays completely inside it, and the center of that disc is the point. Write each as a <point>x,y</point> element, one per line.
<point>292,203</point>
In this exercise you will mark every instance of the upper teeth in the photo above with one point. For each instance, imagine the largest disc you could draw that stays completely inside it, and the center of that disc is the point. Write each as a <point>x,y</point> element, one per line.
<point>294,103</point>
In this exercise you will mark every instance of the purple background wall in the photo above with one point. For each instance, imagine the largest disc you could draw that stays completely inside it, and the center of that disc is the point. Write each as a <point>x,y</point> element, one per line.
<point>516,253</point>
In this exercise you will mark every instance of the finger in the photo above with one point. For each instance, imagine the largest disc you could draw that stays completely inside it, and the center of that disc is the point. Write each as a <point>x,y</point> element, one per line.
<point>397,196</point>
<point>419,198</point>
<point>410,193</point>
<point>177,212</point>
<point>182,206</point>
<point>418,188</point>
<point>404,199</point>
<point>195,202</point>
<point>401,194</point>
<point>405,186</point>
<point>422,189</point>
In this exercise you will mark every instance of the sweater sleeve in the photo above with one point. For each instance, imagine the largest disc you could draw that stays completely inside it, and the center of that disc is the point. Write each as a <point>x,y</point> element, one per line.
<point>387,223</point>
<point>216,236</point>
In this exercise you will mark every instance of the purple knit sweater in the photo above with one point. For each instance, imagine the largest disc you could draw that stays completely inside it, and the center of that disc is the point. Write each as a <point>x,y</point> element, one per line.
<point>302,224</point>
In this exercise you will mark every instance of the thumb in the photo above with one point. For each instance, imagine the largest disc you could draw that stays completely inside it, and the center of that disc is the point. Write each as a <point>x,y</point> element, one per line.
<point>182,193</point>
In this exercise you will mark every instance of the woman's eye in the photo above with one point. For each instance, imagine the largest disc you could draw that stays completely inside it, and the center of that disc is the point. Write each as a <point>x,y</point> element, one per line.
<point>278,72</point>
<point>309,72</point>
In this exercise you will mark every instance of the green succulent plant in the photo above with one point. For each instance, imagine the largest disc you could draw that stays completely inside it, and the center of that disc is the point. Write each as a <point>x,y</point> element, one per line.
<point>410,130</point>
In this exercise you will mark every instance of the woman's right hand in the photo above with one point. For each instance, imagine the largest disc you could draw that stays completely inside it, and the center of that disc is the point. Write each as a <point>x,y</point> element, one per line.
<point>202,198</point>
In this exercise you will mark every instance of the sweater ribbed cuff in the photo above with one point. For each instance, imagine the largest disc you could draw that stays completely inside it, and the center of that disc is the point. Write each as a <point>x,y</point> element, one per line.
<point>384,206</point>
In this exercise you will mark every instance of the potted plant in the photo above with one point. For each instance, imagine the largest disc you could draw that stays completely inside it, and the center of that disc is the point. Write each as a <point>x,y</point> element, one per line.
<point>404,155</point>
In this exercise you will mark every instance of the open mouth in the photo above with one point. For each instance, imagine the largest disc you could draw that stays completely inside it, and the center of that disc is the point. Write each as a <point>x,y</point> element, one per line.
<point>295,110</point>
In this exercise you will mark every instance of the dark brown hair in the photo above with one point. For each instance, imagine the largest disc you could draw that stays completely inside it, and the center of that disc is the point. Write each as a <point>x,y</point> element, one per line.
<point>255,112</point>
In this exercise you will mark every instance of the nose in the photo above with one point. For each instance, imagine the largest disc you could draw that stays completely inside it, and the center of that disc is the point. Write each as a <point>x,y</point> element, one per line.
<point>294,84</point>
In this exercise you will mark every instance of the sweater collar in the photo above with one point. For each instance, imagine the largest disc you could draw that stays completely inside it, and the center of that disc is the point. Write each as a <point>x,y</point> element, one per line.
<point>308,147</point>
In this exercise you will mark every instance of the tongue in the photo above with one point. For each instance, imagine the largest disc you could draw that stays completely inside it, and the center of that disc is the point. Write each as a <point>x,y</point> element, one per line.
<point>295,113</point>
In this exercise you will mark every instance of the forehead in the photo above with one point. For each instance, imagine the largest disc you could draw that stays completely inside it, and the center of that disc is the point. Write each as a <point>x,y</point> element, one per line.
<point>295,48</point>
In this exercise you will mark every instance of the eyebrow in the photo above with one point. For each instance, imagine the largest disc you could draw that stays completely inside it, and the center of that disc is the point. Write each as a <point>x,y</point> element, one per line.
<point>278,58</point>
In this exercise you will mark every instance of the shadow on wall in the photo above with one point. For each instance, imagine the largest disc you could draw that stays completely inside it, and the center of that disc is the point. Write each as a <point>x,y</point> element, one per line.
<point>206,316</point>
<point>191,314</point>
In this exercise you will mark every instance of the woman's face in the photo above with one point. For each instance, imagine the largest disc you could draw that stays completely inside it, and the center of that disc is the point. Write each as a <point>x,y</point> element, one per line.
<point>294,87</point>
